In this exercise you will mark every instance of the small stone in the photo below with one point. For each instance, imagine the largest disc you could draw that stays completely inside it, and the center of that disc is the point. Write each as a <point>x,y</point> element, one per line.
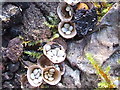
<point>61,53</point>
<point>64,29</point>
<point>68,32</point>
<point>51,79</point>
<point>40,79</point>
<point>32,76</point>
<point>52,70</point>
<point>70,28</point>
<point>68,8</point>
<point>36,81</point>
<point>90,29</point>
<point>13,67</point>
<point>35,71</point>
<point>66,25</point>
<point>8,75</point>
<point>47,47</point>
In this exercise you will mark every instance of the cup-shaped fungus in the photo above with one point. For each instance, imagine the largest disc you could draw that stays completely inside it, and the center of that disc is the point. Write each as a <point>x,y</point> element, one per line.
<point>60,67</point>
<point>34,75</point>
<point>44,62</point>
<point>55,52</point>
<point>51,75</point>
<point>67,29</point>
<point>65,11</point>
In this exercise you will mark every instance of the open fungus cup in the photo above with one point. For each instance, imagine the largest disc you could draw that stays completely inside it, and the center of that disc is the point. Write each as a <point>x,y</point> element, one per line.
<point>61,42</point>
<point>44,62</point>
<point>67,29</point>
<point>60,67</point>
<point>51,75</point>
<point>65,11</point>
<point>55,52</point>
<point>34,75</point>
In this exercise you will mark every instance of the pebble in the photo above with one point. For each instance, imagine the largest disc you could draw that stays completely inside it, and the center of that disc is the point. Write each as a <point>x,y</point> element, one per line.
<point>35,71</point>
<point>47,47</point>
<point>61,53</point>
<point>90,29</point>
<point>51,79</point>
<point>66,25</point>
<point>70,28</point>
<point>68,8</point>
<point>32,76</point>
<point>68,32</point>
<point>36,81</point>
<point>64,29</point>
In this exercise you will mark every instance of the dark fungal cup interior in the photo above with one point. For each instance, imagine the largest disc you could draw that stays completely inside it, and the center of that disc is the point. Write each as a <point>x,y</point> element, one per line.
<point>53,46</point>
<point>64,12</point>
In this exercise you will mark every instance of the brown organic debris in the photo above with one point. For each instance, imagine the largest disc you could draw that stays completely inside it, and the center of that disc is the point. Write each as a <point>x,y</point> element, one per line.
<point>14,49</point>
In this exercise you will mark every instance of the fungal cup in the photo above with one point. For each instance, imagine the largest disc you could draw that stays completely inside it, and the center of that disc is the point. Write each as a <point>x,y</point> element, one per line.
<point>65,11</point>
<point>34,75</point>
<point>67,29</point>
<point>51,75</point>
<point>56,53</point>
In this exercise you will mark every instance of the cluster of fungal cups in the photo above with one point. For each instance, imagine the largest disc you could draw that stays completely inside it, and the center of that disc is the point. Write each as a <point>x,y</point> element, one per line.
<point>66,27</point>
<point>77,18</point>
<point>36,75</point>
<point>49,67</point>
